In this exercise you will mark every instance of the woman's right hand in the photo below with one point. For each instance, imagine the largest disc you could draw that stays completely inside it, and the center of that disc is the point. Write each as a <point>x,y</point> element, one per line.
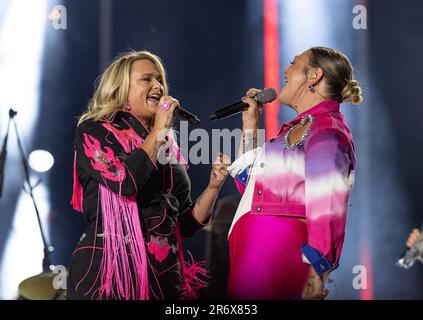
<point>162,123</point>
<point>251,116</point>
<point>164,115</point>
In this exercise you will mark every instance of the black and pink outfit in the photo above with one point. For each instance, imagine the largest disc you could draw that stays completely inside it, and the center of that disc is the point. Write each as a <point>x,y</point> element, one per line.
<point>137,212</point>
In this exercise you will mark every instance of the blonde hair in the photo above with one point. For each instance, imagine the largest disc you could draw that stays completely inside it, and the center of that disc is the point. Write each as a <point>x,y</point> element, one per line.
<point>338,73</point>
<point>112,90</point>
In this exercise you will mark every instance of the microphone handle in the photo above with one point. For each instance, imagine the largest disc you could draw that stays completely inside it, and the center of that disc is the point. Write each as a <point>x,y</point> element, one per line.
<point>229,110</point>
<point>183,114</point>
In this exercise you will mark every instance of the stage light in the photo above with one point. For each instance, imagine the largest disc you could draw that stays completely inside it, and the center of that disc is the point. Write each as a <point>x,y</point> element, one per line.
<point>22,35</point>
<point>41,160</point>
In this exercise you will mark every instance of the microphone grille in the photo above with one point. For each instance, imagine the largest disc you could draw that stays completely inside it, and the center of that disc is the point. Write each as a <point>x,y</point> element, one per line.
<point>266,95</point>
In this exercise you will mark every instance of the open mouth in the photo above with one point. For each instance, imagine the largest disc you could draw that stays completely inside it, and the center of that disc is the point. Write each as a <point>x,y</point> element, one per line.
<point>154,97</point>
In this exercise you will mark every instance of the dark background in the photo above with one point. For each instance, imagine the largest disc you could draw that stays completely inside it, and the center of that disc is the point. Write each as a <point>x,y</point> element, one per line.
<point>213,52</point>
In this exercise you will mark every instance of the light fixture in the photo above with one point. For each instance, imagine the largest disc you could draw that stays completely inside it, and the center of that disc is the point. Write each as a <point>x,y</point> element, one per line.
<point>41,160</point>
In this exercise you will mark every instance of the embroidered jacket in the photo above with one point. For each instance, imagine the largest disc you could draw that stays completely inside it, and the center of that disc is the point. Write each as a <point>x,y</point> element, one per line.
<point>137,212</point>
<point>311,180</point>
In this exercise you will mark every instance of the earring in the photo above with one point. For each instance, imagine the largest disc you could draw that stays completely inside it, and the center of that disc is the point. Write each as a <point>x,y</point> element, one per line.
<point>312,88</point>
<point>127,106</point>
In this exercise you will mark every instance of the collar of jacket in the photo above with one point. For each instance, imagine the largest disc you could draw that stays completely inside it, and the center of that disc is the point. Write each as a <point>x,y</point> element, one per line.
<point>323,107</point>
<point>124,119</point>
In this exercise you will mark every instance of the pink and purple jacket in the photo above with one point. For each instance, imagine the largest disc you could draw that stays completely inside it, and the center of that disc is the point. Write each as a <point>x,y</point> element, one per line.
<point>312,180</point>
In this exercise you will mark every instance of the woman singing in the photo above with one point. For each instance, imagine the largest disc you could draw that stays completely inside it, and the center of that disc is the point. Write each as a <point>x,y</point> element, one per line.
<point>131,184</point>
<point>295,187</point>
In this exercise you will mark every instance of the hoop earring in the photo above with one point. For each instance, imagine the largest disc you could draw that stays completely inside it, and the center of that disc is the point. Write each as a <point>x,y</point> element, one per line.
<point>127,106</point>
<point>312,88</point>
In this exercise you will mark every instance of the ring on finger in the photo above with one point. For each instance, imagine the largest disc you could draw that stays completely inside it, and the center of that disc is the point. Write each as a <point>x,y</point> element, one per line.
<point>166,105</point>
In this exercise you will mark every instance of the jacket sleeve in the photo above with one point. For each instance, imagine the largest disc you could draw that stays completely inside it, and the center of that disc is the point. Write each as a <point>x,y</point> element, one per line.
<point>329,178</point>
<point>188,223</point>
<point>102,158</point>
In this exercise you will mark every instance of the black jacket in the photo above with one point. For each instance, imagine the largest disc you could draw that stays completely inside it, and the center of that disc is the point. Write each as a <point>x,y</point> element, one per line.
<point>162,194</point>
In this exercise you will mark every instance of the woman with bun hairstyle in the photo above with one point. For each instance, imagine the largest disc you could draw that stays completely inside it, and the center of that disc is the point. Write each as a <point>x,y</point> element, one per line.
<point>289,228</point>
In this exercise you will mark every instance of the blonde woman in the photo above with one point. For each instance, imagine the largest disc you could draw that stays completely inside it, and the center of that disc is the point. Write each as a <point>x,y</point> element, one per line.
<point>137,207</point>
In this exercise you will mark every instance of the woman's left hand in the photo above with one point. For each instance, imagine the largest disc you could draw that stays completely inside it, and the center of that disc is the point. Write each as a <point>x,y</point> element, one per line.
<point>314,289</point>
<point>219,172</point>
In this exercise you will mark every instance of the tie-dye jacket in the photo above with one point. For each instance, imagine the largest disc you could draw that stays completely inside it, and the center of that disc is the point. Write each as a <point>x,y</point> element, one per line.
<point>313,180</point>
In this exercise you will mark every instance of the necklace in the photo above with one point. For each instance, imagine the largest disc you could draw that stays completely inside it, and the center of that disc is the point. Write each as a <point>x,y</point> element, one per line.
<point>307,118</point>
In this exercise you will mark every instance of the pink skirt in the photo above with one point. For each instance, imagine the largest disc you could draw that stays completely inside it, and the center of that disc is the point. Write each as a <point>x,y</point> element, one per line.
<point>265,257</point>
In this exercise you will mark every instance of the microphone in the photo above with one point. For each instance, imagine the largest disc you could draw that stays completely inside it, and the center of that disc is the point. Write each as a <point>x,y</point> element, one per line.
<point>183,114</point>
<point>264,96</point>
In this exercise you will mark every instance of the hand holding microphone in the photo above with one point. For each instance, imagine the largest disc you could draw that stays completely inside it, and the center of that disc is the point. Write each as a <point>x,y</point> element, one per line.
<point>165,113</point>
<point>168,102</point>
<point>252,103</point>
<point>251,115</point>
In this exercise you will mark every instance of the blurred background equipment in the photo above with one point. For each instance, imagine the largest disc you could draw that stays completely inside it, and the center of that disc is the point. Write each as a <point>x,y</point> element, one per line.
<point>409,257</point>
<point>217,247</point>
<point>40,287</point>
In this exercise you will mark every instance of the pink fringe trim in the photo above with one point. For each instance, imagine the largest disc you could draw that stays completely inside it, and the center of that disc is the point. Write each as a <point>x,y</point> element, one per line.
<point>123,269</point>
<point>193,272</point>
<point>77,193</point>
<point>190,273</point>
